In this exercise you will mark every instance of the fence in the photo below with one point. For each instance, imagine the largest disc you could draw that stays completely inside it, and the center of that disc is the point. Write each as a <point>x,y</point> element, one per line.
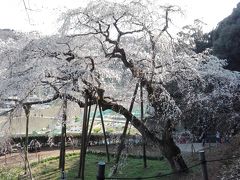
<point>203,163</point>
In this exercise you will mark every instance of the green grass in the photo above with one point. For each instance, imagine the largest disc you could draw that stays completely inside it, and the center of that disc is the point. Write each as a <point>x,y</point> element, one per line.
<point>48,168</point>
<point>130,167</point>
<point>7,173</point>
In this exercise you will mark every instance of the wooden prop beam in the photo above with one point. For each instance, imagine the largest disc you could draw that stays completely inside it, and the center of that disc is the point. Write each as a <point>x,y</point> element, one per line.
<point>83,140</point>
<point>104,133</point>
<point>123,136</point>
<point>63,139</point>
<point>144,142</point>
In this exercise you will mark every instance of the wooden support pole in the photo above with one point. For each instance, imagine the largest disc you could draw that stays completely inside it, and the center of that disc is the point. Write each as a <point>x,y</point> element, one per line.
<point>88,116</point>
<point>91,126</point>
<point>104,133</point>
<point>83,140</point>
<point>63,139</point>
<point>144,142</point>
<point>27,113</point>
<point>26,162</point>
<point>123,136</point>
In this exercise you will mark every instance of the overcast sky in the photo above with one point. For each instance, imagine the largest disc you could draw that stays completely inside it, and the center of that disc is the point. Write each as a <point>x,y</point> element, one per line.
<point>44,13</point>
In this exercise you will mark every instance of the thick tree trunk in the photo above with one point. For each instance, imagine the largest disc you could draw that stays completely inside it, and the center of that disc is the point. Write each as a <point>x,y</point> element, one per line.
<point>171,151</point>
<point>166,144</point>
<point>158,99</point>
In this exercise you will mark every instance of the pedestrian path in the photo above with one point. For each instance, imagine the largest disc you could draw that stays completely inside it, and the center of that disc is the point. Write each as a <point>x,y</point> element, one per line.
<point>190,147</point>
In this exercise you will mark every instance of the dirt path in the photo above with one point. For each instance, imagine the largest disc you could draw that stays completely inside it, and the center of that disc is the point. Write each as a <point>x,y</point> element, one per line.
<point>16,159</point>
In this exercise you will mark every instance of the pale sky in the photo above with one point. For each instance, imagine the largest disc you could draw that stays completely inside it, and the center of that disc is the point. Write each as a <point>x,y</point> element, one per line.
<point>44,13</point>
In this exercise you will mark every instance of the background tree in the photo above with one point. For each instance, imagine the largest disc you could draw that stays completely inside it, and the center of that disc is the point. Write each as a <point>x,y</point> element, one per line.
<point>193,38</point>
<point>226,39</point>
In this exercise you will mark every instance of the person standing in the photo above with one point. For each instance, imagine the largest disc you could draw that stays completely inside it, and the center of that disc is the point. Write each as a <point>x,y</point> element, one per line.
<point>218,137</point>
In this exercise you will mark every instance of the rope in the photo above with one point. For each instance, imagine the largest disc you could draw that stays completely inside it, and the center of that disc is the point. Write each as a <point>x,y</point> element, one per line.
<point>157,176</point>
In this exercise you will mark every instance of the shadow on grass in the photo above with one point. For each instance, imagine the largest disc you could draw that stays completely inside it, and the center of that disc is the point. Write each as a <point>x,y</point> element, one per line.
<point>91,165</point>
<point>129,167</point>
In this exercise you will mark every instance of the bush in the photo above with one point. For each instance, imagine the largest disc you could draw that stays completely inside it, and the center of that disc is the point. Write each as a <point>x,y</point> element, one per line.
<point>96,129</point>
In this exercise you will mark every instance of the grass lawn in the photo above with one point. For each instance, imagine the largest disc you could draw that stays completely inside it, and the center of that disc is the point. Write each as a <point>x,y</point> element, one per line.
<point>8,173</point>
<point>48,169</point>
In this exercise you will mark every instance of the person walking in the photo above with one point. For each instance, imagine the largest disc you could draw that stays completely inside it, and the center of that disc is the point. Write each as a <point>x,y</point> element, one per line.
<point>203,137</point>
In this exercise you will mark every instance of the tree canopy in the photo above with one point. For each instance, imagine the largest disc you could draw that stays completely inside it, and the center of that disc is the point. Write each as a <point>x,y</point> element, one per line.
<point>226,39</point>
<point>111,49</point>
